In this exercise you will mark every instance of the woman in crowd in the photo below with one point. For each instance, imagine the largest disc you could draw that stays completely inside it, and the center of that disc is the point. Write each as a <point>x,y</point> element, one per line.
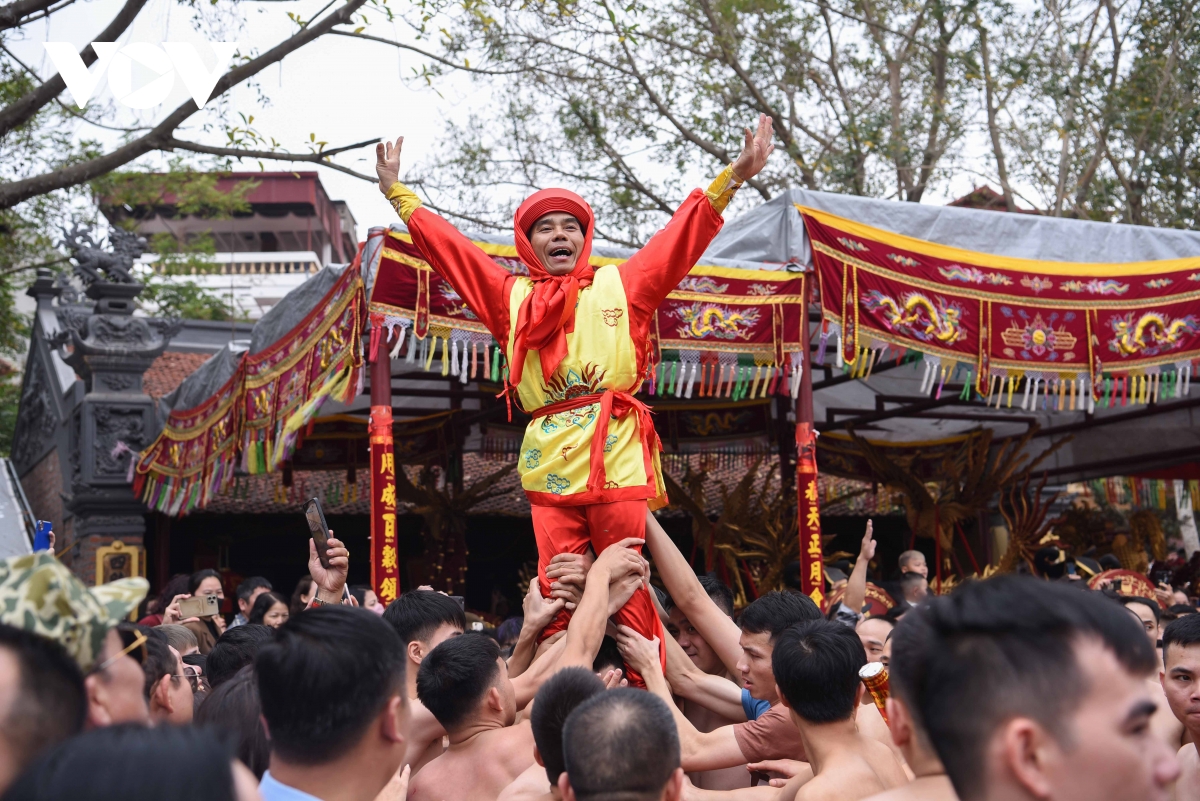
<point>367,598</point>
<point>305,589</point>
<point>270,609</point>
<point>234,710</point>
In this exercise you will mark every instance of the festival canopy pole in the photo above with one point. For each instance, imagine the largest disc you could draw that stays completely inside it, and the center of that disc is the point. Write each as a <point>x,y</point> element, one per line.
<point>385,560</point>
<point>808,513</point>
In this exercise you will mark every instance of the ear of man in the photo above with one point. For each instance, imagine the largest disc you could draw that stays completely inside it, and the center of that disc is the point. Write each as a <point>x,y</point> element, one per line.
<point>98,715</point>
<point>494,701</point>
<point>674,789</point>
<point>537,757</point>
<point>393,720</point>
<point>1027,750</point>
<point>416,651</point>
<point>160,696</point>
<point>900,722</point>
<point>564,787</point>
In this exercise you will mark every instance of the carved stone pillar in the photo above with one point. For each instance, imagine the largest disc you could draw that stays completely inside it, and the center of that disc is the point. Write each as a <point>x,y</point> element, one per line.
<point>110,349</point>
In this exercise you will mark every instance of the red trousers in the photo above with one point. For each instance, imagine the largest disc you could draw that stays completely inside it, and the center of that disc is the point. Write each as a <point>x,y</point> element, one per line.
<point>570,529</point>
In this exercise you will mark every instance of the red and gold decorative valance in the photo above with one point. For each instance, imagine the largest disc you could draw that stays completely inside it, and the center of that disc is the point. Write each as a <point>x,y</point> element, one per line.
<point>262,408</point>
<point>1051,335</point>
<point>723,332</point>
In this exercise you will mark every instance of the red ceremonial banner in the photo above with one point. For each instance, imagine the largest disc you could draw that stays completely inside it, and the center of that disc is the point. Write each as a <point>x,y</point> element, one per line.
<point>385,559</point>
<point>808,513</point>
<point>1116,333</point>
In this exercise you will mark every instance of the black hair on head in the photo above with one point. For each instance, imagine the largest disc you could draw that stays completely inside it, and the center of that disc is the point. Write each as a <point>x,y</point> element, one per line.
<point>620,744</point>
<point>555,701</point>
<point>775,611</point>
<point>719,592</point>
<point>323,678</point>
<point>1006,647</point>
<point>1182,631</point>
<point>197,578</point>
<point>248,586</point>
<point>816,666</point>
<point>456,675</point>
<point>417,614</point>
<point>235,649</point>
<point>133,763</point>
<point>608,657</point>
<point>1153,606</point>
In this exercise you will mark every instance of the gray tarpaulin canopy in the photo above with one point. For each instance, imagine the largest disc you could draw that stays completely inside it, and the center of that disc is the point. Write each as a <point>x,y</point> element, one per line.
<point>890,408</point>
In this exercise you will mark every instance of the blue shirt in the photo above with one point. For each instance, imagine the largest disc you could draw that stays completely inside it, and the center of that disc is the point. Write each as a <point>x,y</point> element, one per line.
<point>752,706</point>
<point>272,789</point>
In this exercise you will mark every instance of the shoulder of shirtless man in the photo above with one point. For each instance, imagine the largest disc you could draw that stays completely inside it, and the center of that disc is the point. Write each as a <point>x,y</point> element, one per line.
<point>478,770</point>
<point>873,769</point>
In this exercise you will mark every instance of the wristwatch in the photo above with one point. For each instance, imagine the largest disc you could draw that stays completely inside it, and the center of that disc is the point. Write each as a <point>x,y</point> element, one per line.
<point>318,601</point>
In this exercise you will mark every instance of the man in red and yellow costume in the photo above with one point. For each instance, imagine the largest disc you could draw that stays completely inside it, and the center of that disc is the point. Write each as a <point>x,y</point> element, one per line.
<point>577,341</point>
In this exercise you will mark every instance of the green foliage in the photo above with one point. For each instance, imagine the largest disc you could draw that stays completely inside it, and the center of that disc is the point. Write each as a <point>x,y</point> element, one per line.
<point>184,299</point>
<point>10,399</point>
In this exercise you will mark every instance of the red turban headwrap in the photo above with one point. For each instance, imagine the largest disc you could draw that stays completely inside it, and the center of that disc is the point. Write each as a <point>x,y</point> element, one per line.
<point>549,310</point>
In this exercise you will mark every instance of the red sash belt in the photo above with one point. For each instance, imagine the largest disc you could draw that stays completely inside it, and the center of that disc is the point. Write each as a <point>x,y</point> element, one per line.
<point>613,403</point>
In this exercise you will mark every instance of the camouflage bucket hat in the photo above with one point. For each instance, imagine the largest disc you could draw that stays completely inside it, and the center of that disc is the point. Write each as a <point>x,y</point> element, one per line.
<point>41,596</point>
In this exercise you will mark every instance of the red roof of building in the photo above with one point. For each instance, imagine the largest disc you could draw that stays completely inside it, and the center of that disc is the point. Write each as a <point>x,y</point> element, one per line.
<point>169,370</point>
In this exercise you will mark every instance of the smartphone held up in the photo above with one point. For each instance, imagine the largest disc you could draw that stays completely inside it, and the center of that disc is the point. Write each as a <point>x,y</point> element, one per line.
<point>318,528</point>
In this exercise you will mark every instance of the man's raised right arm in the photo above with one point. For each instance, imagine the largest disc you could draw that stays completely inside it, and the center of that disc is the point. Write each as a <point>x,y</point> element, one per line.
<point>482,284</point>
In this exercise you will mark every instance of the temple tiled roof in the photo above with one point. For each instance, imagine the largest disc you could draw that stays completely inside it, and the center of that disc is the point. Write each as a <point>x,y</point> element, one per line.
<point>168,371</point>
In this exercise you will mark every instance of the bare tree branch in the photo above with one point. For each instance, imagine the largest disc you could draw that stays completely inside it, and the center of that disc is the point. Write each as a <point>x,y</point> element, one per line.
<point>22,110</point>
<point>14,192</point>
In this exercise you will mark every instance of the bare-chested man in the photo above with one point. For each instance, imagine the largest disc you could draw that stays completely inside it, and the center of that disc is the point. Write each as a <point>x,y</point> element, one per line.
<point>1165,725</point>
<point>1181,685</point>
<point>707,662</point>
<point>464,682</point>
<point>816,669</point>
<point>930,782</point>
<point>566,689</point>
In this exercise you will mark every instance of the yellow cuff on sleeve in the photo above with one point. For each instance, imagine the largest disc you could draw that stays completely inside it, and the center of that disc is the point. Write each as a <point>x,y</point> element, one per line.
<point>403,200</point>
<point>721,190</point>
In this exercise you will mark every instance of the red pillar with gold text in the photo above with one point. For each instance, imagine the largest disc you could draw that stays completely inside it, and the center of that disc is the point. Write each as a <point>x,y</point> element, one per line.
<point>808,511</point>
<point>385,559</point>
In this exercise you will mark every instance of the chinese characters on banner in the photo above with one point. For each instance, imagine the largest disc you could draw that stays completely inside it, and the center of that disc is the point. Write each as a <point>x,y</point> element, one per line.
<point>385,560</point>
<point>812,566</point>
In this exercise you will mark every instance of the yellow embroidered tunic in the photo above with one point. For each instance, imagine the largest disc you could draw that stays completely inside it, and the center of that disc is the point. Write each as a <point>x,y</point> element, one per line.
<point>590,440</point>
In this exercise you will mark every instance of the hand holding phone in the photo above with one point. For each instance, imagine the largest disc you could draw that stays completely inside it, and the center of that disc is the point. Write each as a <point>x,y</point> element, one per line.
<point>318,528</point>
<point>329,560</point>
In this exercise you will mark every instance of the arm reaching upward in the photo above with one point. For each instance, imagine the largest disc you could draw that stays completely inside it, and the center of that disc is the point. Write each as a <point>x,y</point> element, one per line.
<point>856,587</point>
<point>585,632</point>
<point>718,630</point>
<point>482,283</point>
<point>658,267</point>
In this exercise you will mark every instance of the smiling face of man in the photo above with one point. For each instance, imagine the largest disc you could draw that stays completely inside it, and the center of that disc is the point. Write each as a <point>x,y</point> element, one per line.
<point>557,239</point>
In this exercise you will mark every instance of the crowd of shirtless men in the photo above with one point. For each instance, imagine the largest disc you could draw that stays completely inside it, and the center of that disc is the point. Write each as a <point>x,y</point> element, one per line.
<point>1013,687</point>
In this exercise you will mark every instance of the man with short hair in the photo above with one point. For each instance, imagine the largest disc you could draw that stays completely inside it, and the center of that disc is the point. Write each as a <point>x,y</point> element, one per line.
<point>874,633</point>
<point>247,593</point>
<point>235,649</point>
<point>168,691</point>
<point>555,701</point>
<point>816,668</point>
<point>710,677</point>
<point>1149,615</point>
<point>621,744</point>
<point>1180,679</point>
<point>1034,690</point>
<point>930,782</point>
<point>423,619</point>
<point>914,588</point>
<point>464,682</point>
<point>914,562</point>
<point>42,700</point>
<point>331,684</point>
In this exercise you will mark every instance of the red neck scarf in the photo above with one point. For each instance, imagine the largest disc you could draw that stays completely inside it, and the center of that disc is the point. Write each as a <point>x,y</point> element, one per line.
<point>548,312</point>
